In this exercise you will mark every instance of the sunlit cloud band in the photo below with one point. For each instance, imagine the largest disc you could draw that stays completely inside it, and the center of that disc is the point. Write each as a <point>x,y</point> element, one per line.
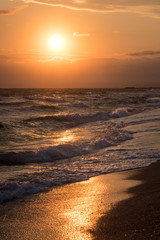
<point>147,8</point>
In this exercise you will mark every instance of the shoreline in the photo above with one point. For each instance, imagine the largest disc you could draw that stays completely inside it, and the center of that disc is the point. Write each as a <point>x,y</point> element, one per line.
<point>137,217</point>
<point>99,208</point>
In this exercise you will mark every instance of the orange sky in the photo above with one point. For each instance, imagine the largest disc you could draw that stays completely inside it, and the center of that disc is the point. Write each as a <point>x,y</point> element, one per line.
<point>104,42</point>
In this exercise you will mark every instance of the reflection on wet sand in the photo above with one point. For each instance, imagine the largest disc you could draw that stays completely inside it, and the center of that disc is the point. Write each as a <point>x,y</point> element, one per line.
<point>68,212</point>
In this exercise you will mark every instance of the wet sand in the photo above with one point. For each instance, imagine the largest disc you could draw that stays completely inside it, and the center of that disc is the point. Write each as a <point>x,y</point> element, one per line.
<point>137,218</point>
<point>70,212</point>
<point>118,206</point>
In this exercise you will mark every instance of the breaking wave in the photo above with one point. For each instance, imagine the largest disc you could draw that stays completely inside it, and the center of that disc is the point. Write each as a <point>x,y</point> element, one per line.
<point>125,111</point>
<point>39,182</point>
<point>38,117</point>
<point>77,118</point>
<point>72,119</point>
<point>113,135</point>
<point>35,183</point>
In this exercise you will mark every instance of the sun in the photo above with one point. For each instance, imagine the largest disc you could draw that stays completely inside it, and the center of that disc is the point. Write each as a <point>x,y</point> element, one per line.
<point>56,42</point>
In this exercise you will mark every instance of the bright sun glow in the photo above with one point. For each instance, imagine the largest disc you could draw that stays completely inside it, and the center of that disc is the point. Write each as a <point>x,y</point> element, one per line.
<point>56,42</point>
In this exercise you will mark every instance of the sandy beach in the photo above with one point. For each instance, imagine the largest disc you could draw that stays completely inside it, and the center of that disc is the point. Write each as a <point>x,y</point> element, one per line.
<point>122,205</point>
<point>79,120</point>
<point>137,217</point>
<point>68,212</point>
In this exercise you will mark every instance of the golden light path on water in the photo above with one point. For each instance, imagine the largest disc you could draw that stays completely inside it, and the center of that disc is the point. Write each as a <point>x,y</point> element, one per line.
<point>66,136</point>
<point>69,212</point>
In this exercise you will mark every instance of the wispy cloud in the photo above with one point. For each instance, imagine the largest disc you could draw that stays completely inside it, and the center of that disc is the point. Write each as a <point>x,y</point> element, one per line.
<point>12,10</point>
<point>77,34</point>
<point>72,5</point>
<point>34,56</point>
<point>144,53</point>
<point>150,8</point>
<point>10,56</point>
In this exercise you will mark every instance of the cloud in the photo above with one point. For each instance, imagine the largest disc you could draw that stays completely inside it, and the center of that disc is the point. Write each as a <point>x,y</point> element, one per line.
<point>10,56</point>
<point>77,34</point>
<point>150,8</point>
<point>144,53</point>
<point>12,10</point>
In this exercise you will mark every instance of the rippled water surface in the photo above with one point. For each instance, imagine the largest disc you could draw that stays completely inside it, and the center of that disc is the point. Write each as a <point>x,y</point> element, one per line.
<point>50,137</point>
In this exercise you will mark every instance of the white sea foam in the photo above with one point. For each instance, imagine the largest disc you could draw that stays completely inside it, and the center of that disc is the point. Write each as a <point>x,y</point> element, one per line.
<point>29,184</point>
<point>66,172</point>
<point>112,136</point>
<point>125,111</point>
<point>34,184</point>
<point>85,118</point>
<point>96,147</point>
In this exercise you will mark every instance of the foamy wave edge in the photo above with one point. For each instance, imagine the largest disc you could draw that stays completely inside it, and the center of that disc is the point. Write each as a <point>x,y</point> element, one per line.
<point>39,183</point>
<point>113,136</point>
<point>76,119</point>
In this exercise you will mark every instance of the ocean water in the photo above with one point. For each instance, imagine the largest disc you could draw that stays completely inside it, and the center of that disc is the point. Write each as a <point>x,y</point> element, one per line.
<point>52,137</point>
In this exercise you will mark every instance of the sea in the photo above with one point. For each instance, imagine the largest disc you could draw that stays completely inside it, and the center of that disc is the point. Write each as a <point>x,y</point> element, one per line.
<point>53,137</point>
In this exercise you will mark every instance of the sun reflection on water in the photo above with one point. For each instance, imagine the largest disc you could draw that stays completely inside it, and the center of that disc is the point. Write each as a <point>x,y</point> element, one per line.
<point>66,137</point>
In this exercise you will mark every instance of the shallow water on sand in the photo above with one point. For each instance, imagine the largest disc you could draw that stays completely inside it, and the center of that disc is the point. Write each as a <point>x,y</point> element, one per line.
<point>69,212</point>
